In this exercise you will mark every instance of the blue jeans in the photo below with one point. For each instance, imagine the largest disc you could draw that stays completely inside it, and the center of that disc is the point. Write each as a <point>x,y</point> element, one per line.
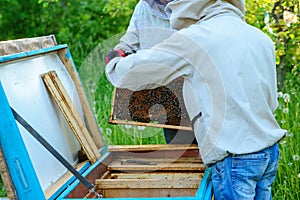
<point>246,176</point>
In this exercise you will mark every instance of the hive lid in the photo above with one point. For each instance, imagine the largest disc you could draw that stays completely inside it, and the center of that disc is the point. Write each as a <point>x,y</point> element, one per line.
<point>20,77</point>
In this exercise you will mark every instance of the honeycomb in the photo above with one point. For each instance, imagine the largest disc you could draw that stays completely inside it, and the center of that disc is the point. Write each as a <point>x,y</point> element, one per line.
<point>163,105</point>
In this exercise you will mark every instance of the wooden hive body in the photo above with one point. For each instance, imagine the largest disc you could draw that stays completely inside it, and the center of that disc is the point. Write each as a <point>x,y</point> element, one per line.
<point>123,172</point>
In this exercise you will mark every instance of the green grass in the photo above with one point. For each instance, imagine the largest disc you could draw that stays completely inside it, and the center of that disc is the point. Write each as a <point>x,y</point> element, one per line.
<point>287,182</point>
<point>2,189</point>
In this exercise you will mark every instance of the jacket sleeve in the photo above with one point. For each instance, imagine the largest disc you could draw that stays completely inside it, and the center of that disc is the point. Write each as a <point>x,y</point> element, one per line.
<point>129,42</point>
<point>150,68</point>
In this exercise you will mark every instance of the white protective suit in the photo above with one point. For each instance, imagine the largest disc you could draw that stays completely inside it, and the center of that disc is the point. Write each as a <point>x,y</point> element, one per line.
<point>149,25</point>
<point>230,76</point>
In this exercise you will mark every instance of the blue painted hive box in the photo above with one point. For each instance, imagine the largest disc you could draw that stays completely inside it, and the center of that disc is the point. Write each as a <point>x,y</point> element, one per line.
<point>42,99</point>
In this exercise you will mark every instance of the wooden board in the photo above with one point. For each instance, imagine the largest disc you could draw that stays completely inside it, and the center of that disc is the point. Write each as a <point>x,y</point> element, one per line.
<point>72,116</point>
<point>160,164</point>
<point>153,175</point>
<point>89,117</point>
<point>153,147</point>
<point>150,192</point>
<point>26,44</point>
<point>147,183</point>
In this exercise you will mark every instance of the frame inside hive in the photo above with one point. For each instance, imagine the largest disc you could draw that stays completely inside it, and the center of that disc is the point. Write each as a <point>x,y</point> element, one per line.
<point>161,107</point>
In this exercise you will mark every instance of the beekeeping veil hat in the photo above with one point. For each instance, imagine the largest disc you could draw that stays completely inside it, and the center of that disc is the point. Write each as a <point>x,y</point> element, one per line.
<point>184,13</point>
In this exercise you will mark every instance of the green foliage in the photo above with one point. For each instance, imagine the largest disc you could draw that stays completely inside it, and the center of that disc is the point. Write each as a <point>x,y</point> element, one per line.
<point>280,20</point>
<point>80,24</point>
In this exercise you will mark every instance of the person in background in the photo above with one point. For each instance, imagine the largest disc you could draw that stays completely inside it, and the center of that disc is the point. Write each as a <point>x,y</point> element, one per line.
<point>230,91</point>
<point>149,25</point>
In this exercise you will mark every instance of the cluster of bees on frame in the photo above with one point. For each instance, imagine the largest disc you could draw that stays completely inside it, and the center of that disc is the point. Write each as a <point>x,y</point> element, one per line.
<point>162,105</point>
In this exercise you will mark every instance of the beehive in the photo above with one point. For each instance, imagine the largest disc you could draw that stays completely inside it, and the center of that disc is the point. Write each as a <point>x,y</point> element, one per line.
<point>142,172</point>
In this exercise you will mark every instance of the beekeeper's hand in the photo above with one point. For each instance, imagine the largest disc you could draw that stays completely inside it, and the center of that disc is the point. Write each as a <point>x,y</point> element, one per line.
<point>114,53</point>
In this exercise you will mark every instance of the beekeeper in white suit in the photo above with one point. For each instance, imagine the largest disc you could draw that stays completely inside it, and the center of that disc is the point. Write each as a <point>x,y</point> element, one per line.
<point>229,91</point>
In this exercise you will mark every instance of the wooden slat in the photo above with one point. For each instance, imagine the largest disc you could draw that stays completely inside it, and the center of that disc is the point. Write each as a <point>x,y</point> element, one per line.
<point>136,148</point>
<point>111,117</point>
<point>165,167</point>
<point>148,192</point>
<point>158,160</point>
<point>5,175</point>
<point>160,165</point>
<point>156,175</point>
<point>89,117</point>
<point>146,183</point>
<point>71,115</point>
<point>106,175</point>
<point>134,123</point>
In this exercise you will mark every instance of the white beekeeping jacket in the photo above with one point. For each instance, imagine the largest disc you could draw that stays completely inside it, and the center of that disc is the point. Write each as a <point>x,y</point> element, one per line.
<point>230,76</point>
